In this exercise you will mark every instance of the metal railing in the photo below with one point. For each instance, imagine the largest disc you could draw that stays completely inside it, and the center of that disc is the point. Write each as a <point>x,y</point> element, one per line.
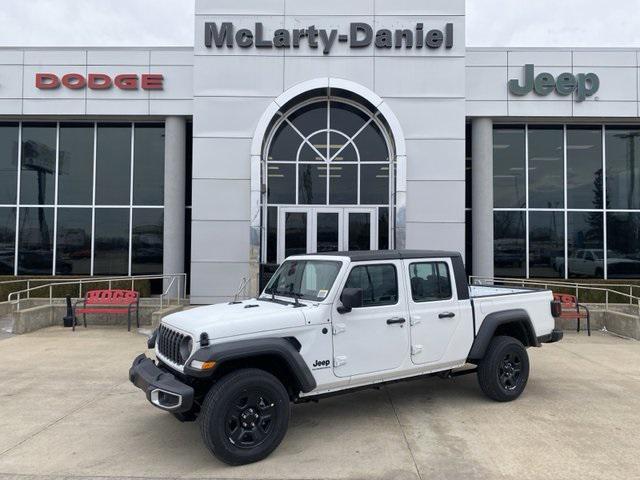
<point>176,287</point>
<point>575,287</point>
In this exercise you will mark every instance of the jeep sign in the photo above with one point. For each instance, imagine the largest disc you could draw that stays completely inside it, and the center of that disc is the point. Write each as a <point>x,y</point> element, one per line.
<point>360,35</point>
<point>584,84</point>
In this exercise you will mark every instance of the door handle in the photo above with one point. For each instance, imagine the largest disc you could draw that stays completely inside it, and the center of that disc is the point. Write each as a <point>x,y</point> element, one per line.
<point>446,315</point>
<point>394,321</point>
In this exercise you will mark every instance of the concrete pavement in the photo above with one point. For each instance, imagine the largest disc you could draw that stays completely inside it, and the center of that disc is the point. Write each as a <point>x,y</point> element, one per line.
<point>67,409</point>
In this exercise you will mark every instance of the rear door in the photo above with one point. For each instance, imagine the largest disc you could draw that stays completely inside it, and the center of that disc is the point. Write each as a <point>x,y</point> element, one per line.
<point>433,309</point>
<point>375,337</point>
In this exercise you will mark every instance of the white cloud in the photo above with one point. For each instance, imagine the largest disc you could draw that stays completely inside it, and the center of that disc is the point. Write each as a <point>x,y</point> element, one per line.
<point>593,23</point>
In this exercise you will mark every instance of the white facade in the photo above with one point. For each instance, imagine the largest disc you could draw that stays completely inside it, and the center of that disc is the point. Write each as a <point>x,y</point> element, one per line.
<point>425,96</point>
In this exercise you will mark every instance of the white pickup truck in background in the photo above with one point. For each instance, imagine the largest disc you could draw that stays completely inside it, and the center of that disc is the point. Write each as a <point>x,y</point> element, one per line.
<point>331,323</point>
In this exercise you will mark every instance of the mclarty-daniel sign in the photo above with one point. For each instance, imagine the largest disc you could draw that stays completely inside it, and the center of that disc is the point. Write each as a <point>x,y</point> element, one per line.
<point>360,35</point>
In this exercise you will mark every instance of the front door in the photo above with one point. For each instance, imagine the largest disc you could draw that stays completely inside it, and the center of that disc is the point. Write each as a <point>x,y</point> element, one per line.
<point>326,229</point>
<point>375,337</point>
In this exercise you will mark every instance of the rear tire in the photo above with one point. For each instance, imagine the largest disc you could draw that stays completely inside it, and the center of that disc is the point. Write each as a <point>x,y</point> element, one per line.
<point>504,370</point>
<point>245,416</point>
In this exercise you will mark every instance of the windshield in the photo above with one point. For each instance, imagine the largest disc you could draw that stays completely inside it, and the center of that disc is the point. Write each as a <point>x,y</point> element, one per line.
<point>305,279</point>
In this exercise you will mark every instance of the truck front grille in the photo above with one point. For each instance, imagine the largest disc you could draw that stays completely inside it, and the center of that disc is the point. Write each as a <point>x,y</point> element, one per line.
<point>169,344</point>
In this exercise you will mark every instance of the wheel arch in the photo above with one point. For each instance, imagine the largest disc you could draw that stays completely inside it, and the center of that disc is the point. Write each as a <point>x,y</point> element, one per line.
<point>514,323</point>
<point>278,356</point>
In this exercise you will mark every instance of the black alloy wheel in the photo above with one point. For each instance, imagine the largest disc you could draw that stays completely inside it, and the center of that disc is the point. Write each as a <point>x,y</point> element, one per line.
<point>245,416</point>
<point>504,370</point>
<point>250,418</point>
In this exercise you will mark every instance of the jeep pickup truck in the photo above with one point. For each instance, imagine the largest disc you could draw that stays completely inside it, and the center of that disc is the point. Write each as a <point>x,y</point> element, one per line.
<point>332,323</point>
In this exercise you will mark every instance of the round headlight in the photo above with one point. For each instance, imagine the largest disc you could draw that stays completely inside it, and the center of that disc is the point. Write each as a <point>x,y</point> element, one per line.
<point>186,345</point>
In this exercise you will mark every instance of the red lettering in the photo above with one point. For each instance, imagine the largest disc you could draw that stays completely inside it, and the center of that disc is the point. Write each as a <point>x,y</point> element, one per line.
<point>99,81</point>
<point>74,81</point>
<point>47,81</point>
<point>127,81</point>
<point>152,81</point>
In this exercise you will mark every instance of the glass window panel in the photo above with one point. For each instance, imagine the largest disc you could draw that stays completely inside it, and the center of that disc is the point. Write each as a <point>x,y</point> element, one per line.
<point>75,169</point>
<point>585,234</point>
<point>7,240</point>
<point>295,233</point>
<point>113,164</point>
<point>546,243</point>
<point>312,184</point>
<point>281,183</point>
<point>509,244</point>
<point>429,281</point>
<point>374,184</point>
<point>623,245</point>
<point>508,167</point>
<point>379,284</point>
<point>328,231</point>
<point>73,243</point>
<point>347,118</point>
<point>35,241</point>
<point>285,143</point>
<point>111,242</point>
<point>343,185</point>
<point>37,181</point>
<point>468,143</point>
<point>584,167</point>
<point>546,166</point>
<point>187,247</point>
<point>372,145</point>
<point>8,162</point>
<point>468,257</point>
<point>623,168</point>
<point>148,165</point>
<point>309,154</point>
<point>310,118</point>
<point>383,228</point>
<point>346,154</point>
<point>359,231</point>
<point>272,234</point>
<point>189,163</point>
<point>147,241</point>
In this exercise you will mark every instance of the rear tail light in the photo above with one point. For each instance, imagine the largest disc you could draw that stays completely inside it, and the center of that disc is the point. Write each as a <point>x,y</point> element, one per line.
<point>556,309</point>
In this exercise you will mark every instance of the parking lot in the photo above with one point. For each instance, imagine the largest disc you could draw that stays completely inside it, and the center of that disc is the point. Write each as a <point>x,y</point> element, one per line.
<point>67,409</point>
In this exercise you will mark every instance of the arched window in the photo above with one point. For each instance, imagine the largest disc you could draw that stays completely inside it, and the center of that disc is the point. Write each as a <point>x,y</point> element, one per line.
<point>329,179</point>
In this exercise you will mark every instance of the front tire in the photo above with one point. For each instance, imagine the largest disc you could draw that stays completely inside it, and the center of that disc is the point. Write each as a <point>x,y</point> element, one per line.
<point>504,370</point>
<point>245,416</point>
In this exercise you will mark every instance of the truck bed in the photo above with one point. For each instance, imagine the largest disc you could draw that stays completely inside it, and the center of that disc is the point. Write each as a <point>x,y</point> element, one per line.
<point>481,291</point>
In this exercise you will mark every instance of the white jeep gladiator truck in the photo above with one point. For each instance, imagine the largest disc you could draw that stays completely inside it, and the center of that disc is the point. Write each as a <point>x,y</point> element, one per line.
<point>332,323</point>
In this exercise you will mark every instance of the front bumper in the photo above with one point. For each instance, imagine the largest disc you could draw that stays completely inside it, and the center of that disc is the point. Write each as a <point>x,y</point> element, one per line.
<point>161,388</point>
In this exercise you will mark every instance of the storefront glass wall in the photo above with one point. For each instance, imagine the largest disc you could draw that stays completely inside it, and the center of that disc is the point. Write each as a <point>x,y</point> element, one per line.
<point>81,198</point>
<point>567,201</point>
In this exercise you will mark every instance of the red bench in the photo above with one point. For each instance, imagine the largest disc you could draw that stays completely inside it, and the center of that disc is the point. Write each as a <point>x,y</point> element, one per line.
<point>571,309</point>
<point>108,301</point>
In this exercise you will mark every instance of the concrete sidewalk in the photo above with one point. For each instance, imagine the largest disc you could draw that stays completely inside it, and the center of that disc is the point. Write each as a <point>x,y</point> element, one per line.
<point>67,409</point>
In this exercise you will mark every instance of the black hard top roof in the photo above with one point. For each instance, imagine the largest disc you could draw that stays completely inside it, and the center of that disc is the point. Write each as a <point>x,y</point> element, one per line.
<point>369,255</point>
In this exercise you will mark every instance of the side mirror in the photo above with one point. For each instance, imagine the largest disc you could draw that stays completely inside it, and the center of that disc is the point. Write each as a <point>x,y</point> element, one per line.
<point>351,298</point>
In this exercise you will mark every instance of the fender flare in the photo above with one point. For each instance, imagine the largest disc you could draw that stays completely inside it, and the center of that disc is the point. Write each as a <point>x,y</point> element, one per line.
<point>491,323</point>
<point>254,347</point>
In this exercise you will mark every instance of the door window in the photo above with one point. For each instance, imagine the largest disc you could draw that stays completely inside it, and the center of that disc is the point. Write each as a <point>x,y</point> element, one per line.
<point>379,284</point>
<point>295,235</point>
<point>430,281</point>
<point>359,231</point>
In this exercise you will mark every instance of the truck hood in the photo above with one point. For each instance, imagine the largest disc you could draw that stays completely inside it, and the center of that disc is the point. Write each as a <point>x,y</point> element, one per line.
<point>226,320</point>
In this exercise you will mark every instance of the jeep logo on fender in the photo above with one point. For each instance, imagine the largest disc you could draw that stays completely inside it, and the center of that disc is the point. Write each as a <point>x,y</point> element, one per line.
<point>321,364</point>
<point>100,81</point>
<point>584,84</point>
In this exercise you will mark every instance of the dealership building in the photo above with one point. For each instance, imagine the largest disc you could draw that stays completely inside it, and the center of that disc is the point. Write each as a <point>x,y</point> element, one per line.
<point>293,126</point>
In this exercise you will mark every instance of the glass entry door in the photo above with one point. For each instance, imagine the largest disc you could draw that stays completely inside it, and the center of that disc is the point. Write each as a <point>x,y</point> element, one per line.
<point>309,230</point>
